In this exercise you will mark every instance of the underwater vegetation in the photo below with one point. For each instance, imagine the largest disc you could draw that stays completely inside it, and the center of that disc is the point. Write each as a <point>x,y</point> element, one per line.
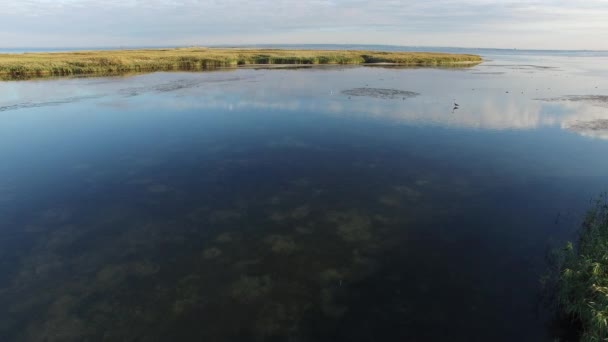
<point>249,288</point>
<point>582,284</point>
<point>281,244</point>
<point>351,226</point>
<point>18,66</point>
<point>288,258</point>
<point>212,253</point>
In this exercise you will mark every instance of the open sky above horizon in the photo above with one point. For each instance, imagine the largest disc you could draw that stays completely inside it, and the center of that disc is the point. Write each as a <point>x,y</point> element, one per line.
<point>535,24</point>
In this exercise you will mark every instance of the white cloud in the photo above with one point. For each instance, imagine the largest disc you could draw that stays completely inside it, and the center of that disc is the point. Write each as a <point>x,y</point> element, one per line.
<point>474,23</point>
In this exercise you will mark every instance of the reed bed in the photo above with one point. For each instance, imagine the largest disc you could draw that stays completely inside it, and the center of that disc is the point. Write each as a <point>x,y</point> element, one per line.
<point>582,287</point>
<point>28,65</point>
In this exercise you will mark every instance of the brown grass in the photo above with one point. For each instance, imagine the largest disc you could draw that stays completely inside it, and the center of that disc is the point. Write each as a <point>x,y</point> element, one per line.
<point>28,65</point>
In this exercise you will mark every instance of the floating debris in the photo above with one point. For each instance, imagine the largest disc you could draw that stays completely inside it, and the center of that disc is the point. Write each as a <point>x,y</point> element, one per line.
<point>599,100</point>
<point>380,93</point>
<point>596,125</point>
<point>593,129</point>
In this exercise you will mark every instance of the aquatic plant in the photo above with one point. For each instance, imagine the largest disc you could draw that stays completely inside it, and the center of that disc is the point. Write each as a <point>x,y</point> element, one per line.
<point>351,226</point>
<point>222,216</point>
<point>304,230</point>
<point>225,238</point>
<point>331,276</point>
<point>143,268</point>
<point>116,273</point>
<point>158,188</point>
<point>281,244</point>
<point>582,285</point>
<point>249,288</point>
<point>408,192</point>
<point>187,294</point>
<point>329,306</point>
<point>278,319</point>
<point>112,274</point>
<point>16,66</point>
<point>300,212</point>
<point>391,200</point>
<point>212,253</point>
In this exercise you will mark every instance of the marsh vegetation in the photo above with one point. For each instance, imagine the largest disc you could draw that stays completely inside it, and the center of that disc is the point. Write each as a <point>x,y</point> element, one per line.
<point>15,66</point>
<point>582,282</point>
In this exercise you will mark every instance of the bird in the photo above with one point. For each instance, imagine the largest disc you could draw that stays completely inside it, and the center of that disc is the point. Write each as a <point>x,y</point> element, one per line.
<point>456,105</point>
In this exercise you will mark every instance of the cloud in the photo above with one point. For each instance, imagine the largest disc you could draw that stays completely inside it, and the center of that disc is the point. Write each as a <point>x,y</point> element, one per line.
<point>473,23</point>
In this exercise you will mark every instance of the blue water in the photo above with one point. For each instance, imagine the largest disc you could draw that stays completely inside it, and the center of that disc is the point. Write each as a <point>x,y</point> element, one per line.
<point>270,205</point>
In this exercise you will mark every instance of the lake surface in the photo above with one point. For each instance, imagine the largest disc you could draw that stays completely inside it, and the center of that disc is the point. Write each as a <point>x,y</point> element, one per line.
<point>312,204</point>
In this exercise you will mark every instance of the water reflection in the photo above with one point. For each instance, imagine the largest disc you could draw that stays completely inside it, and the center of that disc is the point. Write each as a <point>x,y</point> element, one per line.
<point>488,98</point>
<point>268,205</point>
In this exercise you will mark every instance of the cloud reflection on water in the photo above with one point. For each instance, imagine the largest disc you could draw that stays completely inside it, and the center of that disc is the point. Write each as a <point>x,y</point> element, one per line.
<point>487,101</point>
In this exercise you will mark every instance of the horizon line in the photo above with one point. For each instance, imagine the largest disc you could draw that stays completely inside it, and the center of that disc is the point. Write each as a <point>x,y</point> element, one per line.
<point>228,45</point>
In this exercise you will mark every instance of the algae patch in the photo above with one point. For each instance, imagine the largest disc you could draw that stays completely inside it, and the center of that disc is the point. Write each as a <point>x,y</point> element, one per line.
<point>212,253</point>
<point>281,244</point>
<point>380,93</point>
<point>250,288</point>
<point>596,125</point>
<point>351,226</point>
<point>598,100</point>
<point>596,128</point>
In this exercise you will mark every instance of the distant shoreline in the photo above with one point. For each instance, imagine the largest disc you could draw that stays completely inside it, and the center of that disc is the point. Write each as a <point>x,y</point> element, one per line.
<point>100,62</point>
<point>367,47</point>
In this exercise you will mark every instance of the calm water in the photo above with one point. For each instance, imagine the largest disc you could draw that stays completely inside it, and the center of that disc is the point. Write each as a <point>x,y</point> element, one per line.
<point>317,204</point>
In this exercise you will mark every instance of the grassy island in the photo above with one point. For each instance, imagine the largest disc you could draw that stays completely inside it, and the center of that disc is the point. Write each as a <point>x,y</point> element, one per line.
<point>582,287</point>
<point>28,65</point>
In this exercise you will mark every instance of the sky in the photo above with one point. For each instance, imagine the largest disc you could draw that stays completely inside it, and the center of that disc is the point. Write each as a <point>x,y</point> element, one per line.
<point>533,24</point>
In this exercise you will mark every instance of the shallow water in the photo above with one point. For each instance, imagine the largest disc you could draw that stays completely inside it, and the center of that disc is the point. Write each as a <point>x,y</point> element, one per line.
<point>318,204</point>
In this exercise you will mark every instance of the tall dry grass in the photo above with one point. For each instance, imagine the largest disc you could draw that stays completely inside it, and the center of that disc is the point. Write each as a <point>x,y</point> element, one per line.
<point>27,65</point>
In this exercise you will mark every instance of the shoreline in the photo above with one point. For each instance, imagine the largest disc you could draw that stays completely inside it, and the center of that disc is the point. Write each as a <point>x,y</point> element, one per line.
<point>39,65</point>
